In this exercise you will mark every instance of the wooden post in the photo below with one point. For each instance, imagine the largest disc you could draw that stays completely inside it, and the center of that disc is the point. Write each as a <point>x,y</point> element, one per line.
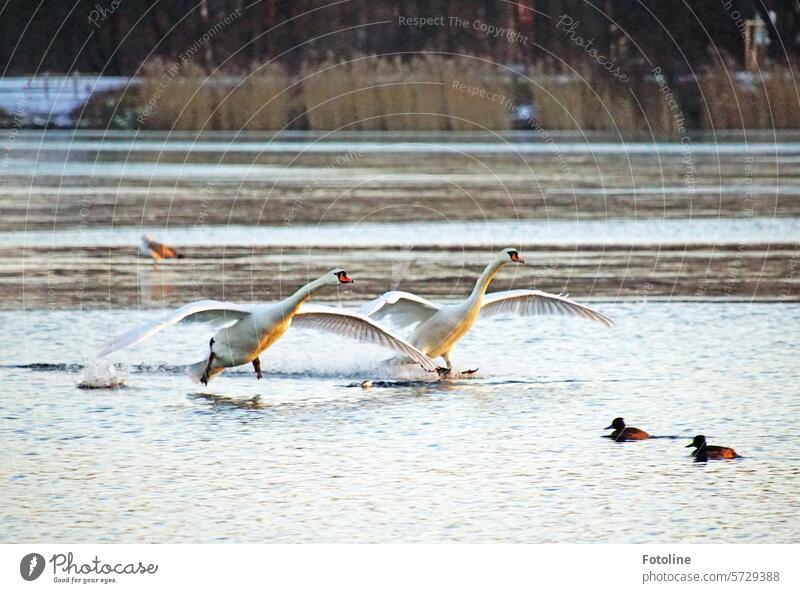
<point>753,40</point>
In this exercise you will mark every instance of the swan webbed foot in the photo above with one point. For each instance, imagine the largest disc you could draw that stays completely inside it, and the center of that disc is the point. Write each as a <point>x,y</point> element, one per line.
<point>470,372</point>
<point>257,367</point>
<point>443,372</point>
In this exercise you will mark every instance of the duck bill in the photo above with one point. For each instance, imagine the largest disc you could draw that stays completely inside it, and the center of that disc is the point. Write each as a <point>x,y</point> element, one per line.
<point>689,445</point>
<point>609,427</point>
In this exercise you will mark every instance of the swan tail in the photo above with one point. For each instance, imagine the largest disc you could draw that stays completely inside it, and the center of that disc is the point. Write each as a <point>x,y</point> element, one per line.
<point>195,371</point>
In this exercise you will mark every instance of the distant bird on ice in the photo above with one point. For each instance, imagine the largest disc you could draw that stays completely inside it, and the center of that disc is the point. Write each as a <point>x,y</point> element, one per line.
<point>156,250</point>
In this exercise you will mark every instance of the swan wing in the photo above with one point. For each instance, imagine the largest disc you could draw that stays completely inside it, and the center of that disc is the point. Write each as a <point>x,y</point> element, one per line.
<point>358,327</point>
<point>537,302</point>
<point>217,312</point>
<point>400,309</point>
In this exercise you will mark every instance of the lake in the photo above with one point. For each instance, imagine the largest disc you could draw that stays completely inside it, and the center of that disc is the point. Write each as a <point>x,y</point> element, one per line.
<point>513,455</point>
<point>700,274</point>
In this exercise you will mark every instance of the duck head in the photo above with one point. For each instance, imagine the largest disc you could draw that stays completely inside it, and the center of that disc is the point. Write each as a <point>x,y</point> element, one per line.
<point>698,442</point>
<point>616,424</point>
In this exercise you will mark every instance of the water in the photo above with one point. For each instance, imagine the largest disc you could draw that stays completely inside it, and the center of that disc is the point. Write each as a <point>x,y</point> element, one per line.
<point>514,454</point>
<point>452,234</point>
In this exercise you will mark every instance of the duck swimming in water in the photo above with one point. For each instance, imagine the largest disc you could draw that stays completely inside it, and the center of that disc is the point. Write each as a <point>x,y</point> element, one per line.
<point>704,452</point>
<point>625,433</point>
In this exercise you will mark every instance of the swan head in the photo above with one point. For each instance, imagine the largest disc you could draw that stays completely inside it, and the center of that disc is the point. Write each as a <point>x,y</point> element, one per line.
<point>338,276</point>
<point>512,254</point>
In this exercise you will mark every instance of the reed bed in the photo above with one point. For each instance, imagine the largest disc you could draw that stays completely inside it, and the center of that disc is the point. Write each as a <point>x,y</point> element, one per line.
<point>429,92</point>
<point>765,100</point>
<point>392,94</point>
<point>190,99</point>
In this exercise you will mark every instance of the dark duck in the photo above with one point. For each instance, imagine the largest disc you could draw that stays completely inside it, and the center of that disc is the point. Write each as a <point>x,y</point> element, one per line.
<point>704,451</point>
<point>625,433</point>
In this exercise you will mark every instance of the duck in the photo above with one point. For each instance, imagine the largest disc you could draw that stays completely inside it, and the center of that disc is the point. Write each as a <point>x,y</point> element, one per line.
<point>158,251</point>
<point>250,329</point>
<point>435,329</point>
<point>625,433</point>
<point>704,451</point>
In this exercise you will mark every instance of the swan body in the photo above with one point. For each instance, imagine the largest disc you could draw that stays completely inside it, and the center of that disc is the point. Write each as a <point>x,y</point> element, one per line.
<point>248,330</point>
<point>434,329</point>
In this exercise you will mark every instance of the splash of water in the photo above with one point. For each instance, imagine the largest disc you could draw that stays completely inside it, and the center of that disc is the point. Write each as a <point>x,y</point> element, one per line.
<point>102,375</point>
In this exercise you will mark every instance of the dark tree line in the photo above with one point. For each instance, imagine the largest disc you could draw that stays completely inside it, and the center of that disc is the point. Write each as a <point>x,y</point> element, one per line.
<point>117,36</point>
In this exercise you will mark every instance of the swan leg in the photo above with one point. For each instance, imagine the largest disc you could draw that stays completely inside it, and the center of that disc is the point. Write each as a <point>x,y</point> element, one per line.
<point>445,371</point>
<point>257,367</point>
<point>204,378</point>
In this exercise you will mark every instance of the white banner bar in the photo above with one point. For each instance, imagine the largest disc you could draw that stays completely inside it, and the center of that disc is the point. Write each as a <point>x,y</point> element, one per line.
<point>398,568</point>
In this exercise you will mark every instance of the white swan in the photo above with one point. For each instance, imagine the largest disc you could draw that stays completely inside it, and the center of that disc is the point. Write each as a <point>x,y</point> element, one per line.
<point>158,251</point>
<point>434,329</point>
<point>256,327</point>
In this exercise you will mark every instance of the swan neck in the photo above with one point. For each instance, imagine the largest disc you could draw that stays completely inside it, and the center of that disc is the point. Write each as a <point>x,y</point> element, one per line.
<point>303,294</point>
<point>484,280</point>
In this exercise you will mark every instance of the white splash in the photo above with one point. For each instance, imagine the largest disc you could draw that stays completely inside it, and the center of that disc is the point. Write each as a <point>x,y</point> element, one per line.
<point>101,375</point>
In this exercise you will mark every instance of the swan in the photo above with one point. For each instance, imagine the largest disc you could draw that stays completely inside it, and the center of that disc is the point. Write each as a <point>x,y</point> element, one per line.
<point>256,327</point>
<point>158,251</point>
<point>434,329</point>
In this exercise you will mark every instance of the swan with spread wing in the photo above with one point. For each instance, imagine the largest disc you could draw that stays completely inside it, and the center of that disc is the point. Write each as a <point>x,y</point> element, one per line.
<point>434,329</point>
<point>256,327</point>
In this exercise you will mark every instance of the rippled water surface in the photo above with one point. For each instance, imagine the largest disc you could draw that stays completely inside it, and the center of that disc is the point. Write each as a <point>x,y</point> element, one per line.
<point>514,454</point>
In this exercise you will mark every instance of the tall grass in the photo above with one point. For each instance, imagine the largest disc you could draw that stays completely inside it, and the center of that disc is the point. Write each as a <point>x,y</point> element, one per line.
<point>392,94</point>
<point>765,100</point>
<point>427,92</point>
